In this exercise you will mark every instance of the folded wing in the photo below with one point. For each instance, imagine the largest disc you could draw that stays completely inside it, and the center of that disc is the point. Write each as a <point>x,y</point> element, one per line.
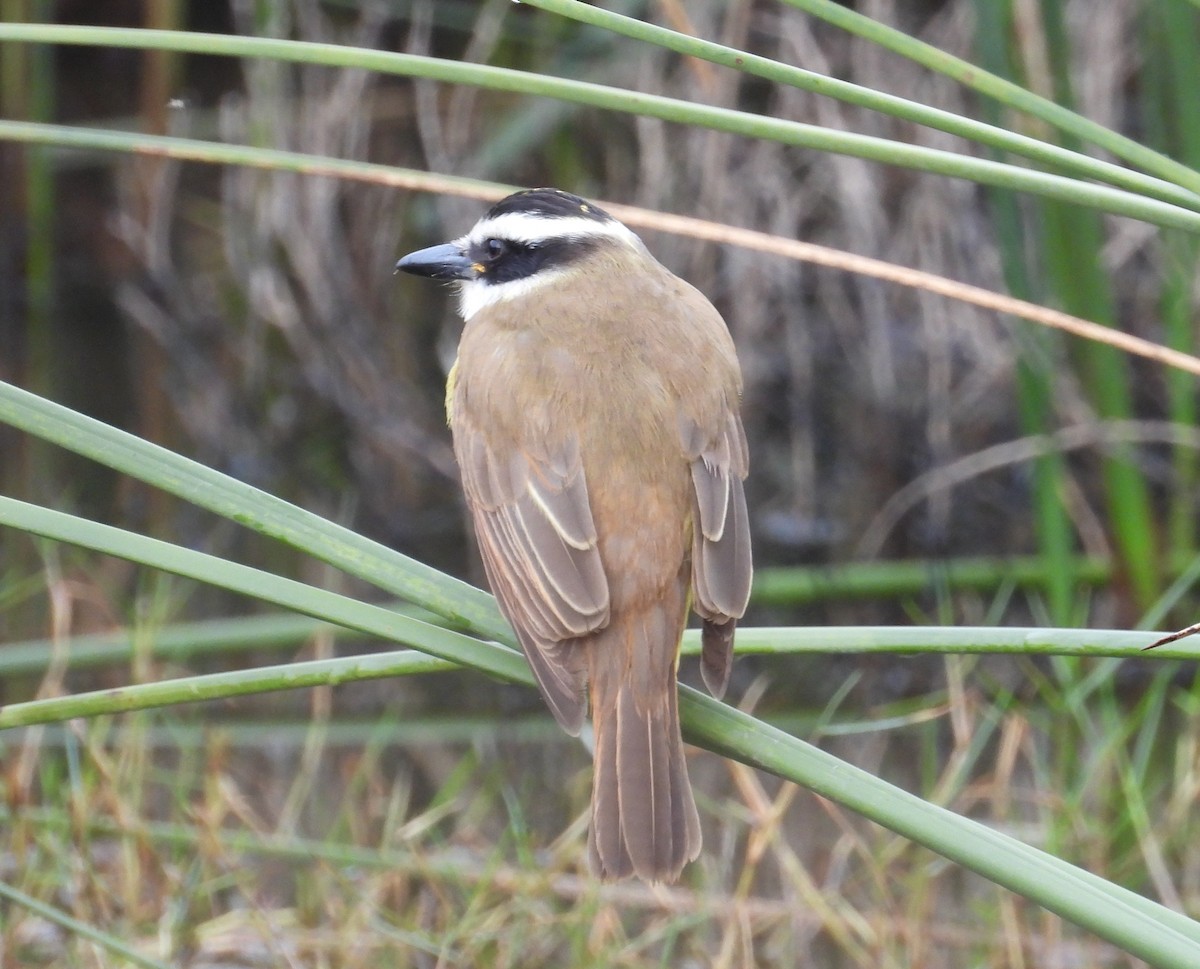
<point>721,563</point>
<point>538,541</point>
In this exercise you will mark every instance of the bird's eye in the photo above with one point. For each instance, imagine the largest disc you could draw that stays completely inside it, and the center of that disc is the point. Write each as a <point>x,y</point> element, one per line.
<point>495,248</point>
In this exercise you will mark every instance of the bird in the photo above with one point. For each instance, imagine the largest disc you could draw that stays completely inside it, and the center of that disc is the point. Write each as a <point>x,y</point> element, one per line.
<point>594,407</point>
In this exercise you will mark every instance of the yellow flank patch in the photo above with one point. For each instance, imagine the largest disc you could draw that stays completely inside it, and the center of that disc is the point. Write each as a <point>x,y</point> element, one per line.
<point>451,380</point>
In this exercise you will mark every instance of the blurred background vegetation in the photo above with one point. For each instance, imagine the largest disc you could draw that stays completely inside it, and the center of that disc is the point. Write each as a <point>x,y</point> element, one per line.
<point>914,459</point>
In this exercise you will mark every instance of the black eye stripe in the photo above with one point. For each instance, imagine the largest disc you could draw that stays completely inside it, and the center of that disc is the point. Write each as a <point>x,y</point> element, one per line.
<point>504,260</point>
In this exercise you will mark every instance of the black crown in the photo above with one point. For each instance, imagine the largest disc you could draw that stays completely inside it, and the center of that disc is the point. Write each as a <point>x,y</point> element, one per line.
<point>548,203</point>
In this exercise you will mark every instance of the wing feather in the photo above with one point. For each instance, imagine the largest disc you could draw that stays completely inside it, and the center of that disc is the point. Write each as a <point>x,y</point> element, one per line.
<point>721,563</point>
<point>538,541</point>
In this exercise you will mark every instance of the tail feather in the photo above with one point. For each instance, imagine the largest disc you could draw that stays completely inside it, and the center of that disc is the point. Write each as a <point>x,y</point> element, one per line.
<point>607,854</point>
<point>686,818</point>
<point>644,819</point>
<point>646,789</point>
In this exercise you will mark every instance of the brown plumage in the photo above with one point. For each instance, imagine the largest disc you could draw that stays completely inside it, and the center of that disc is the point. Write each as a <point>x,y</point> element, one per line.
<point>595,420</point>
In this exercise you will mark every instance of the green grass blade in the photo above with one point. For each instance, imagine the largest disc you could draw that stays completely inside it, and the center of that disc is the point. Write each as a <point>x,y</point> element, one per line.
<point>341,610</point>
<point>1172,121</point>
<point>58,917</point>
<point>1002,91</point>
<point>967,640</point>
<point>1037,361</point>
<point>460,603</point>
<point>222,686</point>
<point>1052,526</point>
<point>1073,251</point>
<point>295,848</point>
<point>178,642</point>
<point>891,579</point>
<point>870,148</point>
<point>1139,926</point>
<point>1072,248</point>
<point>231,635</point>
<point>1136,924</point>
<point>1069,270</point>
<point>990,135</point>
<point>790,586</point>
<point>1100,197</point>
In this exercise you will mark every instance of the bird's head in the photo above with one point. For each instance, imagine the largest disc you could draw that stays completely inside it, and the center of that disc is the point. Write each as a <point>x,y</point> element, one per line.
<point>523,242</point>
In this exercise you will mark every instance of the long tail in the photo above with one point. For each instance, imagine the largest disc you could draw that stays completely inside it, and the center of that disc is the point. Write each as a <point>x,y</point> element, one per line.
<point>644,819</point>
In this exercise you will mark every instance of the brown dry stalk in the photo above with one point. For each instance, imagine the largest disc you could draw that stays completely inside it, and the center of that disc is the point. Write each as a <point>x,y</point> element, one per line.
<point>775,245</point>
<point>903,276</point>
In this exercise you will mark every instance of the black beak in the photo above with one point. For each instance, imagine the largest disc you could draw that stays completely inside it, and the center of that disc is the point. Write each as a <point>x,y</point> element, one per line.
<point>446,261</point>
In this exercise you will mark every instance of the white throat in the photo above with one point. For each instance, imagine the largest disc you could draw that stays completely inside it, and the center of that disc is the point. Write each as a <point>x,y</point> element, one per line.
<point>475,294</point>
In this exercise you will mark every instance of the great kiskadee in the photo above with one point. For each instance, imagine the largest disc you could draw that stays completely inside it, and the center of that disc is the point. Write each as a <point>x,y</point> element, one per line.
<point>594,410</point>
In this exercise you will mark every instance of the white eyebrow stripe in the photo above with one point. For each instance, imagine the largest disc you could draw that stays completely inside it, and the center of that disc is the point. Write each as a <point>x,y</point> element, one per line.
<point>527,228</point>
